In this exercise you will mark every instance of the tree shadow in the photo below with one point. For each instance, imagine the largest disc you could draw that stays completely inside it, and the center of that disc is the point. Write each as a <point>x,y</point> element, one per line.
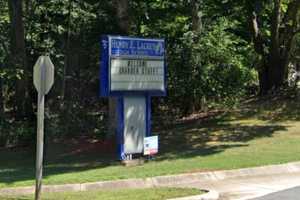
<point>271,110</point>
<point>181,139</point>
<point>204,138</point>
<point>19,165</point>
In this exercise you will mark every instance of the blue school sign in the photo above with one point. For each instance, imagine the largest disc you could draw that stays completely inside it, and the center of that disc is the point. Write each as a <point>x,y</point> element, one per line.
<point>133,70</point>
<point>132,65</point>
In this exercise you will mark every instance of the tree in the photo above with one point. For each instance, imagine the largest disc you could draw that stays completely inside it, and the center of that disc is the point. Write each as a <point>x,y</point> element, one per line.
<point>122,16</point>
<point>196,28</point>
<point>66,86</point>
<point>123,23</point>
<point>273,38</point>
<point>4,51</point>
<point>1,94</point>
<point>196,15</point>
<point>18,56</point>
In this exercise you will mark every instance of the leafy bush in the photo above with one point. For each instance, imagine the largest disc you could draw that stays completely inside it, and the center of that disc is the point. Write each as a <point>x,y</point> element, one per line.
<point>211,67</point>
<point>14,133</point>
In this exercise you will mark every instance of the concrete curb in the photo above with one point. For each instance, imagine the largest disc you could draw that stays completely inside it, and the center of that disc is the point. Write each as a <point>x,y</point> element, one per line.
<point>211,195</point>
<point>162,181</point>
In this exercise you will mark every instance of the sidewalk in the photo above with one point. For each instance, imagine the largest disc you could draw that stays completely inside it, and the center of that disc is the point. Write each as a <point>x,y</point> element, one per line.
<point>231,184</point>
<point>250,183</point>
<point>242,188</point>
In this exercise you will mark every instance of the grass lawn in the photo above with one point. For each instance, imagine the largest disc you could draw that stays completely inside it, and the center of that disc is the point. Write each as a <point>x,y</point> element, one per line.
<point>258,133</point>
<point>145,194</point>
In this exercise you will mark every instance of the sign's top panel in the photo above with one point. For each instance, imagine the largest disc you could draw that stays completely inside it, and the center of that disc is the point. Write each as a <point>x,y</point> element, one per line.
<point>136,47</point>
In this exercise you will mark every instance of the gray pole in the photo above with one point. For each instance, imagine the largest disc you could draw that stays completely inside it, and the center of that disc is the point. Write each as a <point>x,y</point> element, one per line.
<point>40,145</point>
<point>43,78</point>
<point>40,134</point>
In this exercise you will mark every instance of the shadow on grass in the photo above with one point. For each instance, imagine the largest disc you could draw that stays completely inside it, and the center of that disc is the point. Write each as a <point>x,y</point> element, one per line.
<point>272,110</point>
<point>20,165</point>
<point>206,138</point>
<point>180,140</point>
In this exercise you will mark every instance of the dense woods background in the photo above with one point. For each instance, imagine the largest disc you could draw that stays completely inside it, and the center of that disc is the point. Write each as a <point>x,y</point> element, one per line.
<point>218,52</point>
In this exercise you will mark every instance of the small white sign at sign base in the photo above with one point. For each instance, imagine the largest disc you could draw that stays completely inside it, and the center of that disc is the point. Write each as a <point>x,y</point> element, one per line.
<point>151,145</point>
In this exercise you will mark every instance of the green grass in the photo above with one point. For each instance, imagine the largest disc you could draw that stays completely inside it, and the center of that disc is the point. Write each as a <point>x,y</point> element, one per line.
<point>259,133</point>
<point>138,194</point>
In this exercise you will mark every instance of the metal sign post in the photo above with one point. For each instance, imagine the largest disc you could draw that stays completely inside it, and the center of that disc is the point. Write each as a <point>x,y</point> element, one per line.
<point>43,79</point>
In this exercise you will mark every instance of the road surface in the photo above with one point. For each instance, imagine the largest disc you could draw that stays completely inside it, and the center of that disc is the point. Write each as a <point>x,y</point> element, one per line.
<point>290,194</point>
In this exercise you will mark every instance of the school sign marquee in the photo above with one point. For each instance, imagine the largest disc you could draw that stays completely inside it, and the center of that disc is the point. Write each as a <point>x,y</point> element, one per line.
<point>133,65</point>
<point>133,70</point>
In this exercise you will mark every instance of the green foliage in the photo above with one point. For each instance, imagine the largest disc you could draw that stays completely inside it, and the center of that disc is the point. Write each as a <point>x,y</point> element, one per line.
<point>211,67</point>
<point>79,123</point>
<point>13,133</point>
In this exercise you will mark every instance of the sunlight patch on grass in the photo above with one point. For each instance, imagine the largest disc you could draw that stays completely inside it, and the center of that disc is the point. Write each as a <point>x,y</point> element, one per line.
<point>237,139</point>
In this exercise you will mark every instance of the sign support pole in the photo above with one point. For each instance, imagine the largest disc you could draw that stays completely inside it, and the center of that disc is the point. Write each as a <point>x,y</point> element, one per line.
<point>43,78</point>
<point>40,145</point>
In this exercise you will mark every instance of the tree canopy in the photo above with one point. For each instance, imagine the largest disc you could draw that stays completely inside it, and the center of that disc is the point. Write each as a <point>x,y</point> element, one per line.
<point>217,52</point>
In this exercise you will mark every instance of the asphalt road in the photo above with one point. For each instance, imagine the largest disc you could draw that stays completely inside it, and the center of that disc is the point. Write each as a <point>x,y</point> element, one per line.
<point>290,194</point>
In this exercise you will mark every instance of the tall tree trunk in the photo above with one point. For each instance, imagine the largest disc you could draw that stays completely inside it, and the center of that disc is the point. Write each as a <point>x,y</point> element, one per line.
<point>123,17</point>
<point>196,15</point>
<point>65,93</point>
<point>274,51</point>
<point>124,24</point>
<point>1,96</point>
<point>275,63</point>
<point>263,77</point>
<point>66,87</point>
<point>18,56</point>
<point>276,71</point>
<point>197,27</point>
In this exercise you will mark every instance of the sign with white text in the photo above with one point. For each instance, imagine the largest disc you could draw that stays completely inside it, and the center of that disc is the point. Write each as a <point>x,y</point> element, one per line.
<point>133,47</point>
<point>132,65</point>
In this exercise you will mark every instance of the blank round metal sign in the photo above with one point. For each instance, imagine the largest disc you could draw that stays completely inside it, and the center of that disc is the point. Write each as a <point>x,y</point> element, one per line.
<point>43,74</point>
